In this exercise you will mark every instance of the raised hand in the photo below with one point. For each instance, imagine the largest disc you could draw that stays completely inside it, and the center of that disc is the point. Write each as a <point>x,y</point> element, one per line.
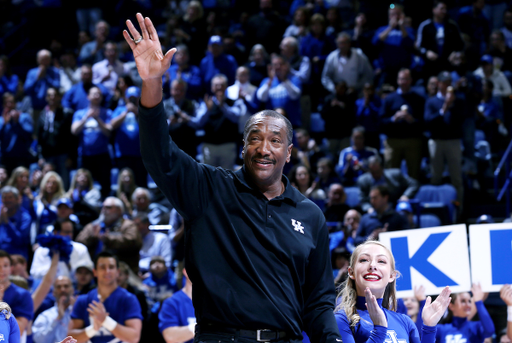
<point>376,314</point>
<point>151,62</point>
<point>478,295</point>
<point>419,293</point>
<point>506,294</point>
<point>433,311</point>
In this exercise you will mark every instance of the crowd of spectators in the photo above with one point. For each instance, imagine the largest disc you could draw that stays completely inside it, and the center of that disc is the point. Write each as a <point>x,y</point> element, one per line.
<point>383,97</point>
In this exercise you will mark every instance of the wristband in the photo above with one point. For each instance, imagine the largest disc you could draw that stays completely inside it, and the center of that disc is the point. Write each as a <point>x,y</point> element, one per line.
<point>90,331</point>
<point>109,324</point>
<point>509,317</point>
<point>192,327</point>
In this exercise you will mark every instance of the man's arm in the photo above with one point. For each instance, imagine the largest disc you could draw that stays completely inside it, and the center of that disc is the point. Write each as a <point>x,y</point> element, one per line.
<point>77,330</point>
<point>129,332</point>
<point>46,327</point>
<point>22,323</point>
<point>327,82</point>
<point>177,334</point>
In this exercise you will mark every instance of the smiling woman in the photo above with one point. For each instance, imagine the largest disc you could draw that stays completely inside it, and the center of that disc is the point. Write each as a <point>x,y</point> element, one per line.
<point>367,310</point>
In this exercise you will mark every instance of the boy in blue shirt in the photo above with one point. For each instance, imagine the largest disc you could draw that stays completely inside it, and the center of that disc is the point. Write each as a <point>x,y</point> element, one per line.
<point>161,281</point>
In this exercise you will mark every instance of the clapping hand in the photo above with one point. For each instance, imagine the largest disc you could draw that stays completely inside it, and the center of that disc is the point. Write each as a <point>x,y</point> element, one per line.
<point>97,312</point>
<point>434,311</point>
<point>376,314</point>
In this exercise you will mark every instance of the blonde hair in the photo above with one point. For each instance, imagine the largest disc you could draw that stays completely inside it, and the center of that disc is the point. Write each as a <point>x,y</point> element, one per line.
<point>69,194</point>
<point>133,186</point>
<point>5,309</point>
<point>15,174</point>
<point>60,191</point>
<point>198,6</point>
<point>348,291</point>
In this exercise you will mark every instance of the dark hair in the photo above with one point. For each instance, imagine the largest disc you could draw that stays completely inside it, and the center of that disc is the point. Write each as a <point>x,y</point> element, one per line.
<point>105,254</point>
<point>292,175</point>
<point>57,225</point>
<point>383,190</point>
<point>124,268</point>
<point>273,114</point>
<point>7,65</point>
<point>143,217</point>
<point>437,2</point>
<point>359,129</point>
<point>16,258</point>
<point>4,253</point>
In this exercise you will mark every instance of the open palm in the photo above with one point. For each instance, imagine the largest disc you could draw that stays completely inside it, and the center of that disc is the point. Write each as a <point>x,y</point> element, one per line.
<point>150,61</point>
<point>433,311</point>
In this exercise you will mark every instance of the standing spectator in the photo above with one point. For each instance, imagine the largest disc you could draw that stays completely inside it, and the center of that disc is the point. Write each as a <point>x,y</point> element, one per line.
<point>437,39</point>
<point>153,243</point>
<point>15,224</point>
<point>15,135</point>
<point>76,98</point>
<point>180,110</point>
<point>281,89</point>
<point>258,59</point>
<point>362,36</point>
<point>487,71</point>
<point>112,232</point>
<point>54,134</point>
<point>20,180</point>
<point>444,116</point>
<point>91,127</point>
<point>78,257</point>
<point>383,218</point>
<point>501,53</point>
<point>300,66</point>
<point>266,27</point>
<point>8,80</point>
<point>68,70</point>
<point>217,62</point>
<point>326,176</point>
<point>367,115</point>
<point>507,28</point>
<point>490,117</point>
<point>39,79</point>
<point>114,312</point>
<point>242,88</point>
<point>93,51</point>
<point>52,324</point>
<point>395,44</point>
<point>50,192</point>
<point>108,71</point>
<point>399,186</point>
<point>125,188</point>
<point>300,177</point>
<point>84,277</point>
<point>157,213</point>
<point>300,26</point>
<point>161,282</point>
<point>83,194</point>
<point>181,69</point>
<point>475,24</point>
<point>18,299</point>
<point>401,118</point>
<point>125,127</point>
<point>431,89</point>
<point>192,31</point>
<point>177,318</point>
<point>346,64</point>
<point>353,161</point>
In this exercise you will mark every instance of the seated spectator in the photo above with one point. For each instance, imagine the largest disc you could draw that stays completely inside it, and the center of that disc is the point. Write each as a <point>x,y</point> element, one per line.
<point>18,298</point>
<point>362,36</point>
<point>115,307</point>
<point>54,137</point>
<point>125,187</point>
<point>243,89</point>
<point>39,79</point>
<point>401,119</point>
<point>281,89</point>
<point>177,321</point>
<point>383,217</point>
<point>300,66</point>
<point>487,71</point>
<point>399,186</point>
<point>4,176</point>
<point>79,255</point>
<point>153,243</point>
<point>86,199</point>
<point>76,97</point>
<point>395,44</point>
<point>15,223</point>
<point>300,25</point>
<point>180,110</point>
<point>326,175</point>
<point>339,115</point>
<point>217,62</point>
<point>123,280</point>
<point>367,111</point>
<point>431,89</point>
<point>20,181</point>
<point>15,135</point>
<point>490,117</point>
<point>444,116</point>
<point>65,211</point>
<point>308,152</point>
<point>52,324</point>
<point>501,53</point>
<point>51,191</point>
<point>93,51</point>
<point>346,64</point>
<point>353,161</point>
<point>108,71</point>
<point>112,232</point>
<point>301,178</point>
<point>233,48</point>
<point>91,126</point>
<point>161,281</point>
<point>8,80</point>
<point>437,39</point>
<point>404,208</point>
<point>335,208</point>
<point>119,99</point>
<point>475,24</point>
<point>19,268</point>
<point>181,69</point>
<point>351,225</point>
<point>84,277</point>
<point>125,127</point>
<point>258,59</point>
<point>192,31</point>
<point>141,200</point>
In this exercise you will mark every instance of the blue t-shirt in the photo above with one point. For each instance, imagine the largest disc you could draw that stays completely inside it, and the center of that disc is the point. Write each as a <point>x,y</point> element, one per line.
<point>126,141</point>
<point>401,328</point>
<point>15,235</point>
<point>176,311</point>
<point>121,306</point>
<point>278,97</point>
<point>9,329</point>
<point>157,288</point>
<point>91,140</point>
<point>20,301</point>
<point>191,75</point>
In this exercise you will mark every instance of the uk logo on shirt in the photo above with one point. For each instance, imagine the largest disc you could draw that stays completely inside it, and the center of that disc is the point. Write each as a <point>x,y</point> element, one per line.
<point>391,337</point>
<point>297,226</point>
<point>455,339</point>
<point>2,337</point>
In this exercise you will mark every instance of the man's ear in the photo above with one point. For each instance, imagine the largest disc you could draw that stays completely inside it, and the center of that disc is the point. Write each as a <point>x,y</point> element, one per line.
<point>289,153</point>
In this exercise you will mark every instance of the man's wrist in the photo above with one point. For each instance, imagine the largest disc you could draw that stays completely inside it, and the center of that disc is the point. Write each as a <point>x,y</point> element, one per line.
<point>90,331</point>
<point>509,311</point>
<point>109,324</point>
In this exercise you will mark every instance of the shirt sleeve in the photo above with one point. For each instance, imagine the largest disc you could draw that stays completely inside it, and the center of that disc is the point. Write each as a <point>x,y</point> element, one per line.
<point>486,327</point>
<point>79,309</point>
<point>131,308</point>
<point>24,307</point>
<point>14,334</point>
<point>168,316</point>
<point>378,335</point>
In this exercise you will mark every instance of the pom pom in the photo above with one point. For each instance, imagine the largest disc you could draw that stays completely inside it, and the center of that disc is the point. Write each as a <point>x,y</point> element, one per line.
<point>57,243</point>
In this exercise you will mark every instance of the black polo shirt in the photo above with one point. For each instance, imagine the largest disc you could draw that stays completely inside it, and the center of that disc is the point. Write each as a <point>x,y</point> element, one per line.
<point>254,263</point>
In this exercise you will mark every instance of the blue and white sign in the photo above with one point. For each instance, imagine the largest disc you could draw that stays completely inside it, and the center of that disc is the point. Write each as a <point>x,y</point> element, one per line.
<point>491,255</point>
<point>433,257</point>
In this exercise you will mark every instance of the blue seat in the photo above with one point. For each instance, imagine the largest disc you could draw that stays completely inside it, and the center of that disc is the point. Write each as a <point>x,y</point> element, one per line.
<point>443,195</point>
<point>352,196</point>
<point>427,220</point>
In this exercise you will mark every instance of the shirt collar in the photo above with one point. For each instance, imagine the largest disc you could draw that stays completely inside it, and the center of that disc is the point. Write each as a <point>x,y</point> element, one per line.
<point>361,303</point>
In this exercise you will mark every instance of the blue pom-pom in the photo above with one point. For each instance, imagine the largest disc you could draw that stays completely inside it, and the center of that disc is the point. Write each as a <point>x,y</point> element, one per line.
<point>57,243</point>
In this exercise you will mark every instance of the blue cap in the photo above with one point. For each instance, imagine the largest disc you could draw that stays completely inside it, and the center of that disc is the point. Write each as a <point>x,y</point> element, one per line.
<point>65,201</point>
<point>403,206</point>
<point>215,40</point>
<point>486,59</point>
<point>485,218</point>
<point>132,92</point>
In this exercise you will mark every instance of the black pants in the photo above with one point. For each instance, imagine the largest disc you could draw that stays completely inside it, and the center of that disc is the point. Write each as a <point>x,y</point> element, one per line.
<point>233,338</point>
<point>99,166</point>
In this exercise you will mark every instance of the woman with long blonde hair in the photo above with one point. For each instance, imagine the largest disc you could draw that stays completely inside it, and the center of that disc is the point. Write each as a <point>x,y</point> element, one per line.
<point>20,180</point>
<point>367,309</point>
<point>50,191</point>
